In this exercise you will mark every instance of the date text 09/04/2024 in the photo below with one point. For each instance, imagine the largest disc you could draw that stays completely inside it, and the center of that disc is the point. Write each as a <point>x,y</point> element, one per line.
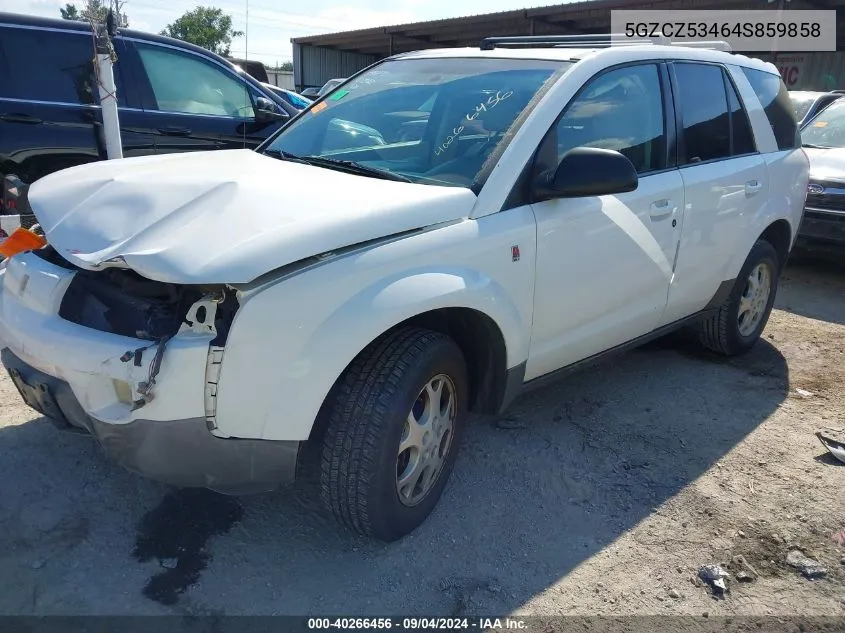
<point>416,624</point>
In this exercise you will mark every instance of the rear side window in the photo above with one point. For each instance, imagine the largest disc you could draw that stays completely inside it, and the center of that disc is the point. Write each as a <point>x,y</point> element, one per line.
<point>704,112</point>
<point>48,66</point>
<point>742,140</point>
<point>774,97</point>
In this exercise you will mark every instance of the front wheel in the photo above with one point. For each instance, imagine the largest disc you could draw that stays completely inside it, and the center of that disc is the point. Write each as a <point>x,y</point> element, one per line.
<point>394,423</point>
<point>740,320</point>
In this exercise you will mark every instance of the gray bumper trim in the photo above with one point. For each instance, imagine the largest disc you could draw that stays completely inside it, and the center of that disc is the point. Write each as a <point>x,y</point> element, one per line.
<point>821,229</point>
<point>184,453</point>
<point>178,452</point>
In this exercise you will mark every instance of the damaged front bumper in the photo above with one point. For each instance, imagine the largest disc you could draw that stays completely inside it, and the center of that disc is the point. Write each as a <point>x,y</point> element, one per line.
<point>100,381</point>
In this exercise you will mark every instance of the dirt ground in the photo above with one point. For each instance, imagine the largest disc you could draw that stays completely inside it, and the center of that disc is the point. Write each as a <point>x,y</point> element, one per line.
<point>601,494</point>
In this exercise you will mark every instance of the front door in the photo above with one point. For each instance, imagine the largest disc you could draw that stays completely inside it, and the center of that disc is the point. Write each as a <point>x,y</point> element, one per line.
<point>193,103</point>
<point>605,263</point>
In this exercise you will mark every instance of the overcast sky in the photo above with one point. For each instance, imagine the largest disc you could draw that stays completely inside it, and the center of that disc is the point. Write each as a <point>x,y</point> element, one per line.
<point>270,30</point>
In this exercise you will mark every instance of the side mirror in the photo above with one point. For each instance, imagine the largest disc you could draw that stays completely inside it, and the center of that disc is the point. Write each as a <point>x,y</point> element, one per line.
<point>266,111</point>
<point>587,171</point>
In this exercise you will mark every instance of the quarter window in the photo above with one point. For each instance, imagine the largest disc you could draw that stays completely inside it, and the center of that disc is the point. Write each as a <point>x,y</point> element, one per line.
<point>620,110</point>
<point>188,84</point>
<point>774,97</point>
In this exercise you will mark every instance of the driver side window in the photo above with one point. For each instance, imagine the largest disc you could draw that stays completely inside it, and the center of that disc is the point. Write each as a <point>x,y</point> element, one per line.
<point>620,110</point>
<point>187,84</point>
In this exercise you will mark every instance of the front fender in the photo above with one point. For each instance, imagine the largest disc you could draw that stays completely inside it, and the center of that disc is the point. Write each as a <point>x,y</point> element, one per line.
<point>284,354</point>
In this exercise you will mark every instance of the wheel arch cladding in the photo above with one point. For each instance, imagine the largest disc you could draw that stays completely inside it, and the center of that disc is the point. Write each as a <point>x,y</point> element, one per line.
<point>481,342</point>
<point>485,352</point>
<point>779,235</point>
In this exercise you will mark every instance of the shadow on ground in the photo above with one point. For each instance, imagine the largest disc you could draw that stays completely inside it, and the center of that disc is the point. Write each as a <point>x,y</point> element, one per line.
<point>571,468</point>
<point>578,464</point>
<point>807,285</point>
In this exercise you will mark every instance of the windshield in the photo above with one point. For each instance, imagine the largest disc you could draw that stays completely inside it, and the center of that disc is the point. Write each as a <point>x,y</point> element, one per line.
<point>827,129</point>
<point>432,121</point>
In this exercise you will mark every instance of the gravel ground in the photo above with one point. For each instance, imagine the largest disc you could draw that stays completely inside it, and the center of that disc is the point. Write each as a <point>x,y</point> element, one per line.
<point>603,493</point>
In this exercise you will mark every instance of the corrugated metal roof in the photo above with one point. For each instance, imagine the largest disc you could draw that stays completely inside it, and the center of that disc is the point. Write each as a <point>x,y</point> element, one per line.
<point>571,7</point>
<point>318,58</point>
<point>572,16</point>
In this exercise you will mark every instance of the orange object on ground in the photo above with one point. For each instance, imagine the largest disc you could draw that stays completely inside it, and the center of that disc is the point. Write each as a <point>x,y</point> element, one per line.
<point>19,241</point>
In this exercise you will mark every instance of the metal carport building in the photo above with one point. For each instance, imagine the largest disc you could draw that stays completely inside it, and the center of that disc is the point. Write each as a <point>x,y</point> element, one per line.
<point>318,58</point>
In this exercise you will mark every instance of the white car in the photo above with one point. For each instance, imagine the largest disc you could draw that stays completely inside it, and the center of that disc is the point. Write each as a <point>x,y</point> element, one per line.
<point>808,103</point>
<point>211,317</point>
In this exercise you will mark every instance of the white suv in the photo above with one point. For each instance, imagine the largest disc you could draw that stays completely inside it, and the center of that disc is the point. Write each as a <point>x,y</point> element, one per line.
<point>208,316</point>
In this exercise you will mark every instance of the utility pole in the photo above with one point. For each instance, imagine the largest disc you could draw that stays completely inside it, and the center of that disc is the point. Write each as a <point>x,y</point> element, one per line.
<point>106,58</point>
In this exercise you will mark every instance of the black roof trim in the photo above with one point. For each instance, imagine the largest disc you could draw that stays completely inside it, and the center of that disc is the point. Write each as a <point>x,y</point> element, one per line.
<point>74,25</point>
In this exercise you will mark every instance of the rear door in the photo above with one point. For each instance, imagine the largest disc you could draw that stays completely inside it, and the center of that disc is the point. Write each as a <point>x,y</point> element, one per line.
<point>194,103</point>
<point>725,178</point>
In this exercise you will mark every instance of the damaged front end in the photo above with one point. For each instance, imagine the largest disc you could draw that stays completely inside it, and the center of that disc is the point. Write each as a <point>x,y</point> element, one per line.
<point>135,363</point>
<point>152,326</point>
<point>119,301</point>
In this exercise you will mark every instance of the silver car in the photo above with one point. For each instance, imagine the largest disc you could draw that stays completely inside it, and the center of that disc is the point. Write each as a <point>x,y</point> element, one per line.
<point>823,139</point>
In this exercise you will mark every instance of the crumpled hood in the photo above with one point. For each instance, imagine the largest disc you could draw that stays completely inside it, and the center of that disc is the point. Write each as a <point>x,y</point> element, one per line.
<point>826,164</point>
<point>225,216</point>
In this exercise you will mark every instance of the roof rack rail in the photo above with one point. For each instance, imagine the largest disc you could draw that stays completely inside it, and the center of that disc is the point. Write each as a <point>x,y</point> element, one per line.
<point>598,40</point>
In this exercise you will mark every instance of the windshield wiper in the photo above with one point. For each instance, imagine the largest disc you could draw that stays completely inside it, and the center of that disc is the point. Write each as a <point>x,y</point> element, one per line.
<point>283,155</point>
<point>331,163</point>
<point>352,166</point>
<point>811,146</point>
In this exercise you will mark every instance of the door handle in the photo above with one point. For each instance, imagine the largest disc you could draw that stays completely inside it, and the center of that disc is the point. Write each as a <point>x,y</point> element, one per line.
<point>660,209</point>
<point>20,118</point>
<point>174,131</point>
<point>753,187</point>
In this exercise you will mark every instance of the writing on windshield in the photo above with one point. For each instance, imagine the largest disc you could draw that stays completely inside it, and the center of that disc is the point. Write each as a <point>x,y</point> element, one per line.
<point>484,106</point>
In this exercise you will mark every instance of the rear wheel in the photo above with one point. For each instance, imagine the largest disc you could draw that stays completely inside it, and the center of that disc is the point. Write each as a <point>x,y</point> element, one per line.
<point>740,320</point>
<point>394,424</point>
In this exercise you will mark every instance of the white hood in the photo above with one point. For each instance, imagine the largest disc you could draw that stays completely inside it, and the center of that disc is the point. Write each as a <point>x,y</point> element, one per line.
<point>225,216</point>
<point>826,164</point>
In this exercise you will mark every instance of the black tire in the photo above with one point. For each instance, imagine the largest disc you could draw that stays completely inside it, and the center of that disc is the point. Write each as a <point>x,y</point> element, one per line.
<point>366,414</point>
<point>720,333</point>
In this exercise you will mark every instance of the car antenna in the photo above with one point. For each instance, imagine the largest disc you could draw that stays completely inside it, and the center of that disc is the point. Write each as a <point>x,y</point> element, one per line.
<point>104,60</point>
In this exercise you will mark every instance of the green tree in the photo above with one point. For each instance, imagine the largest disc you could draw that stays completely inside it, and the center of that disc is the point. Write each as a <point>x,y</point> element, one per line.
<point>285,66</point>
<point>70,12</point>
<point>208,27</point>
<point>93,11</point>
